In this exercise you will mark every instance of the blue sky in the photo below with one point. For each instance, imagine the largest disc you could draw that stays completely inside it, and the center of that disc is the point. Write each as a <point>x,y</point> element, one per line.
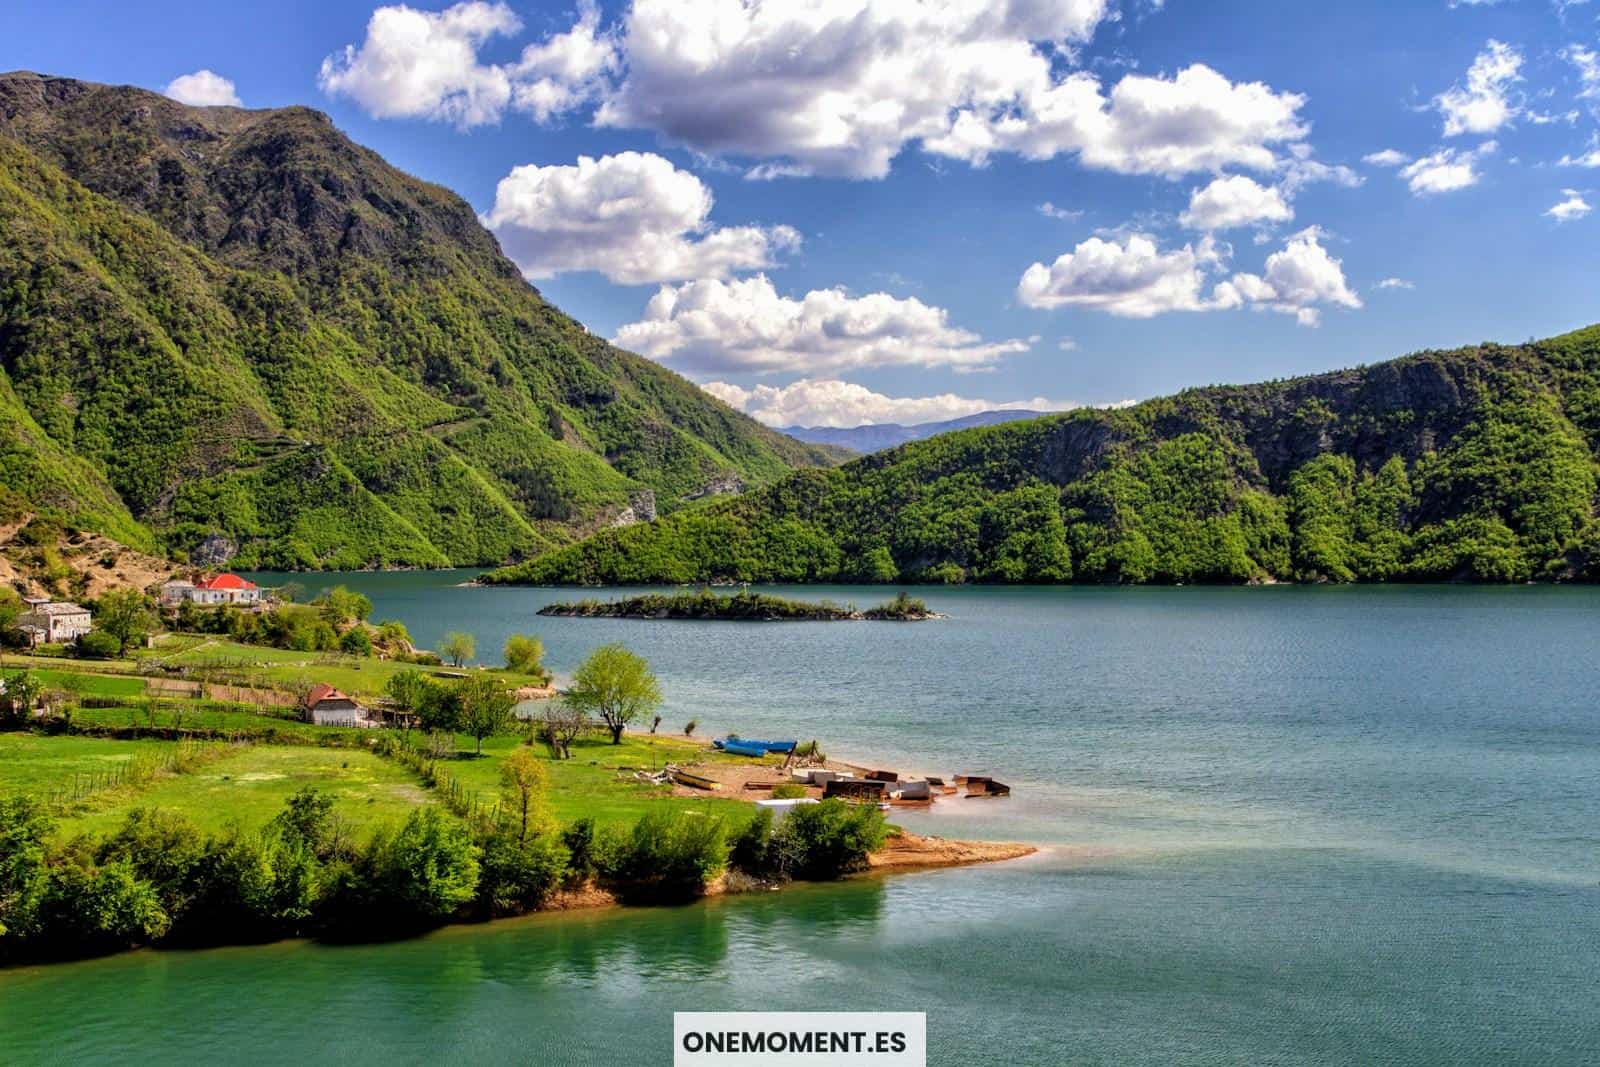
<point>852,210</point>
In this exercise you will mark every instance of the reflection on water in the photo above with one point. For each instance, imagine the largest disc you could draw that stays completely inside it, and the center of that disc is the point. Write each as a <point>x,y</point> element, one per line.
<point>1293,825</point>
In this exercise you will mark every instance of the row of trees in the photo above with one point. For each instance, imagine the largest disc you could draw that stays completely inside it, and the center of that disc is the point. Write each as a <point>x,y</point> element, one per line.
<point>158,879</point>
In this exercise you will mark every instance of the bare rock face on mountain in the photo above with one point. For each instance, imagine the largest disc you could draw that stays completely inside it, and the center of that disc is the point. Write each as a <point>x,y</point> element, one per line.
<point>225,325</point>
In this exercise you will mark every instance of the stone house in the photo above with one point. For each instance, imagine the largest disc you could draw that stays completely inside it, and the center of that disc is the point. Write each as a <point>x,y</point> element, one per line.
<point>53,622</point>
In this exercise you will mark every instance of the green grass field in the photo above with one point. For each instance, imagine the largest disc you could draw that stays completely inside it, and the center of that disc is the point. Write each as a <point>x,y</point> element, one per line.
<point>99,685</point>
<point>37,763</point>
<point>252,785</point>
<point>588,784</point>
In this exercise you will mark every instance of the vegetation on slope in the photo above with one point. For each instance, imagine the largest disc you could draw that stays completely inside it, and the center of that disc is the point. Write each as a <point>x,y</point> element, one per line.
<point>238,329</point>
<point>1477,464</point>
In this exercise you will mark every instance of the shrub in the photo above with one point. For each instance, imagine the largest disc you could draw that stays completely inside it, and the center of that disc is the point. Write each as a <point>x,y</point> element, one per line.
<point>97,644</point>
<point>100,910</point>
<point>524,654</point>
<point>579,841</point>
<point>667,858</point>
<point>426,871</point>
<point>163,848</point>
<point>751,847</point>
<point>788,791</point>
<point>356,641</point>
<point>519,873</point>
<point>821,842</point>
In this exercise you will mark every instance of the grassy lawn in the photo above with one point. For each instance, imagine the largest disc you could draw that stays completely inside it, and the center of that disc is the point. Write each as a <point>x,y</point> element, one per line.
<point>252,785</point>
<point>356,675</point>
<point>36,763</point>
<point>193,715</point>
<point>587,785</point>
<point>100,685</point>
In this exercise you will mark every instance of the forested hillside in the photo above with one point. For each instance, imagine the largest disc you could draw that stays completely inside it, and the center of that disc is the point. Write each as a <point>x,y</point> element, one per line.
<point>239,330</point>
<point>1476,464</point>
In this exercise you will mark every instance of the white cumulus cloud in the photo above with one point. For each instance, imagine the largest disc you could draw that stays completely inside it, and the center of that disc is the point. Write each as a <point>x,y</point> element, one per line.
<point>1446,170</point>
<point>1388,157</point>
<point>1233,201</point>
<point>423,64</point>
<point>831,402</point>
<point>1572,207</point>
<point>1483,104</point>
<point>634,217</point>
<point>203,88</point>
<point>840,87</point>
<point>745,325</point>
<point>1132,278</point>
<point>1136,279</point>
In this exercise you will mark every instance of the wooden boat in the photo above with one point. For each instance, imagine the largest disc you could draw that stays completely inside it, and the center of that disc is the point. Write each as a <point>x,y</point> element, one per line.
<point>694,781</point>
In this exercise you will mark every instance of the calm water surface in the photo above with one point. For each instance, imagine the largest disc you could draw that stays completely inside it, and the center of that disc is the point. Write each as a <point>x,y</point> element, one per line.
<point>1283,825</point>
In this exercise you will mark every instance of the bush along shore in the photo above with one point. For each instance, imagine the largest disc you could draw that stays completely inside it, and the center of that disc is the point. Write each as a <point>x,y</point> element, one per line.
<point>157,880</point>
<point>740,607</point>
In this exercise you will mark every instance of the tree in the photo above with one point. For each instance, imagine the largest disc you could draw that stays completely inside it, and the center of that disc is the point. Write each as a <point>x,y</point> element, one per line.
<point>19,692</point>
<point>458,647</point>
<point>409,690</point>
<point>522,785</point>
<point>485,707</point>
<point>562,725</point>
<point>428,869</point>
<point>10,609</point>
<point>356,641</point>
<point>340,605</point>
<point>125,615</point>
<point>616,685</point>
<point>524,654</point>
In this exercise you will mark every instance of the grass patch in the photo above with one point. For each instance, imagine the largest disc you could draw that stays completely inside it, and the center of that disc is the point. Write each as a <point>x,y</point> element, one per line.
<point>35,763</point>
<point>252,785</point>
<point>99,685</point>
<point>588,786</point>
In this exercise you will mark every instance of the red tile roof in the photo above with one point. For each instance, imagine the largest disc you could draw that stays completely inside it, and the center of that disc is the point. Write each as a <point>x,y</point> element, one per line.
<point>319,693</point>
<point>226,581</point>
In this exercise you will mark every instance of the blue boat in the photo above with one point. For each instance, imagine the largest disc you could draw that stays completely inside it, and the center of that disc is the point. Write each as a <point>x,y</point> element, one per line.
<point>746,746</point>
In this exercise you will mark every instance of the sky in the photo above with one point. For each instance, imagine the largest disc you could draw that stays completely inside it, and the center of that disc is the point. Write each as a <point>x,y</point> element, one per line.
<point>836,212</point>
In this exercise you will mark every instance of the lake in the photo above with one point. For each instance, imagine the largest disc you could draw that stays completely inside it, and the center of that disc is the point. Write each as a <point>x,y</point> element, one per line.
<point>1282,825</point>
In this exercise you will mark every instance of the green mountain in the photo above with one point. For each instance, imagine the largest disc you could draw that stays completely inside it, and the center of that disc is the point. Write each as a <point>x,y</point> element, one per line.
<point>1476,464</point>
<point>228,330</point>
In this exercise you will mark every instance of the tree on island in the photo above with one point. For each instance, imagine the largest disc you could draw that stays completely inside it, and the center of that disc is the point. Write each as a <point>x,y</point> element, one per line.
<point>524,654</point>
<point>125,615</point>
<point>485,708</point>
<point>457,647</point>
<point>615,685</point>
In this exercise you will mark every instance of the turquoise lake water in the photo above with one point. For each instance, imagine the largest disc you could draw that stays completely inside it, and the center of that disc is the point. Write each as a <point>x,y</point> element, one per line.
<point>1282,825</point>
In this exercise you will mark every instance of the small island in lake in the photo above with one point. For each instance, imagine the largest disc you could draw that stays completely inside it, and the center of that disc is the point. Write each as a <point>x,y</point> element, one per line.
<point>741,607</point>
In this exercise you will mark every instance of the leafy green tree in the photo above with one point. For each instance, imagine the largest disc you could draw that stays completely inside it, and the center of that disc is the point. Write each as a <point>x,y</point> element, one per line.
<point>356,642</point>
<point>485,708</point>
<point>667,858</point>
<point>429,869</point>
<point>440,709</point>
<point>21,693</point>
<point>97,644</point>
<point>340,605</point>
<point>25,829</point>
<point>524,654</point>
<point>10,608</point>
<point>458,647</point>
<point>616,685</point>
<point>124,614</point>
<point>409,689</point>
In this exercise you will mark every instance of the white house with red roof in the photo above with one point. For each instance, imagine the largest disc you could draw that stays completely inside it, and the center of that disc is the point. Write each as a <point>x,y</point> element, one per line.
<point>218,589</point>
<point>326,706</point>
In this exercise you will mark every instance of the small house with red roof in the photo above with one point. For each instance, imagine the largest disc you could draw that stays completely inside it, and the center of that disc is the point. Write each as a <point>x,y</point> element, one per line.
<point>326,706</point>
<point>218,589</point>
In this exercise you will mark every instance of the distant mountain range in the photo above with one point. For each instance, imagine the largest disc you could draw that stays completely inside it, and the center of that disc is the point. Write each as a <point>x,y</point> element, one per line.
<point>239,335</point>
<point>1477,464</point>
<point>876,437</point>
